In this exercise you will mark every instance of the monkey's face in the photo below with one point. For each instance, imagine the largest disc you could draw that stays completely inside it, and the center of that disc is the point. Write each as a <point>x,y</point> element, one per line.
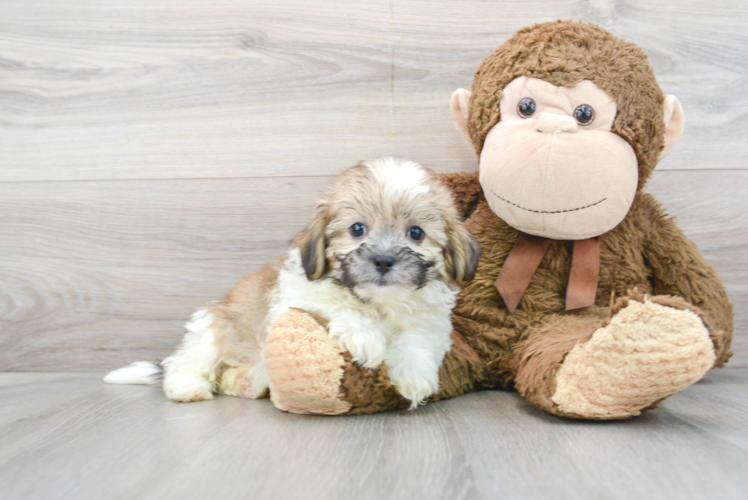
<point>552,167</point>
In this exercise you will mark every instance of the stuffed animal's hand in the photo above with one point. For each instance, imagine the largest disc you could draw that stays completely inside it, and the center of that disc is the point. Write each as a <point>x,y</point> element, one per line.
<point>309,372</point>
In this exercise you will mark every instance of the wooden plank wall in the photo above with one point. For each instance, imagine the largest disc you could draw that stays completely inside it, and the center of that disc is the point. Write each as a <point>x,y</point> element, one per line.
<point>154,151</point>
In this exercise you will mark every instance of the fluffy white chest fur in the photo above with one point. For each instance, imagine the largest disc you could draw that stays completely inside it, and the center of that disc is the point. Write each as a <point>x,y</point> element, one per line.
<point>395,310</point>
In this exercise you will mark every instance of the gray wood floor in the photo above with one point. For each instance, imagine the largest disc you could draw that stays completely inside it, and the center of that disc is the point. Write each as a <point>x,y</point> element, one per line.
<point>154,152</point>
<point>68,436</point>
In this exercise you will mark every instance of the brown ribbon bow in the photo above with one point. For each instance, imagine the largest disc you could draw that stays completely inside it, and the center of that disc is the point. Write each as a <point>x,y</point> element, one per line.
<point>524,259</point>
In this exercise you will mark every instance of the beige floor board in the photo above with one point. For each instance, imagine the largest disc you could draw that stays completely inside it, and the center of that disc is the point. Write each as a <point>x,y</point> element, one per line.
<point>97,274</point>
<point>204,89</point>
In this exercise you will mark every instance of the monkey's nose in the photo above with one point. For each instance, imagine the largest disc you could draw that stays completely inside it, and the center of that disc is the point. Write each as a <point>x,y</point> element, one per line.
<point>551,123</point>
<point>384,263</point>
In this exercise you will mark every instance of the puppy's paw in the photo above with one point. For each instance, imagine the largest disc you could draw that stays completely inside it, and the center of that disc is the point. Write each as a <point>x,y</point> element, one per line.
<point>414,386</point>
<point>366,343</point>
<point>187,388</point>
<point>241,381</point>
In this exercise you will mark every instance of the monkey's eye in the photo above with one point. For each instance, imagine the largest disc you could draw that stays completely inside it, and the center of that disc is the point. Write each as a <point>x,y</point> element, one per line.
<point>416,233</point>
<point>357,230</point>
<point>584,114</point>
<point>526,107</point>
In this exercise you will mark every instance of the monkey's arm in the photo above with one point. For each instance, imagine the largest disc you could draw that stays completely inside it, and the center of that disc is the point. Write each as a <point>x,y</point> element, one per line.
<point>465,189</point>
<point>678,268</point>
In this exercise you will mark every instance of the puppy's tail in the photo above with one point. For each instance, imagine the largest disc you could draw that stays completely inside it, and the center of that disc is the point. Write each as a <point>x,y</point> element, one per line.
<point>141,372</point>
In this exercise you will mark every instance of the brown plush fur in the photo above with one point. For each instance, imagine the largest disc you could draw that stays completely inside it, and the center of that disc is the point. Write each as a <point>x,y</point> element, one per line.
<point>358,385</point>
<point>536,360</point>
<point>491,346</point>
<point>646,252</point>
<point>456,376</point>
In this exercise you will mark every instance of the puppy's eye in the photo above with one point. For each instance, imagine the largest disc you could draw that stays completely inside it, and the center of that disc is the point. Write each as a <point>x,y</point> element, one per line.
<point>357,230</point>
<point>416,233</point>
<point>584,114</point>
<point>526,107</point>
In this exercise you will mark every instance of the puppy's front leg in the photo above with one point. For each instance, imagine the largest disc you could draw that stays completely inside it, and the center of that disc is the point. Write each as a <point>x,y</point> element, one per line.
<point>360,336</point>
<point>413,361</point>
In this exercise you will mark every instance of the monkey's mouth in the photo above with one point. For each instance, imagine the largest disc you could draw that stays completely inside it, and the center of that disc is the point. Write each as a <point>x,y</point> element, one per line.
<point>547,211</point>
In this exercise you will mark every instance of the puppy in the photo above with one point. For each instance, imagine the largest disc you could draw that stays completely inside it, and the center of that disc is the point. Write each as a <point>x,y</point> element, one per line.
<point>380,262</point>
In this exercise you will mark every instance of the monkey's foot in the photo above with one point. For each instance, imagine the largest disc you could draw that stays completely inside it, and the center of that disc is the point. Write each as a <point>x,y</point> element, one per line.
<point>309,372</point>
<point>646,353</point>
<point>305,366</point>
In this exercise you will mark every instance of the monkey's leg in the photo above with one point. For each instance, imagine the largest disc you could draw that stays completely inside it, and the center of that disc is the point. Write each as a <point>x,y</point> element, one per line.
<point>310,373</point>
<point>598,368</point>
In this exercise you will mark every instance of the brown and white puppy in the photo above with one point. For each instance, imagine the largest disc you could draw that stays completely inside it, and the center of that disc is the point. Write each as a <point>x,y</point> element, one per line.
<point>380,262</point>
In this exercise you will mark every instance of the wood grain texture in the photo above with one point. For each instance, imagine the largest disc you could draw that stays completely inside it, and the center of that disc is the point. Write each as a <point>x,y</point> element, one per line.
<point>68,436</point>
<point>97,274</point>
<point>127,262</point>
<point>205,89</point>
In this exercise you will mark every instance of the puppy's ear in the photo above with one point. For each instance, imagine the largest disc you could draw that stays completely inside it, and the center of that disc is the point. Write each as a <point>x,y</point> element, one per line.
<point>312,243</point>
<point>462,252</point>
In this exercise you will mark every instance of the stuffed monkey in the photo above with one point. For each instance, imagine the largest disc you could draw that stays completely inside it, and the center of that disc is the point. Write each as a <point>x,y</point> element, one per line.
<point>588,299</point>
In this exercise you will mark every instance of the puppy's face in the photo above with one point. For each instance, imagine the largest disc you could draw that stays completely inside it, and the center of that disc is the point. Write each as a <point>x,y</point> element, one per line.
<point>385,228</point>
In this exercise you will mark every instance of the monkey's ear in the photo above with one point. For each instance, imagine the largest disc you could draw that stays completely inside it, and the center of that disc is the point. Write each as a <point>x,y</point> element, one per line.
<point>459,105</point>
<point>312,243</point>
<point>674,121</point>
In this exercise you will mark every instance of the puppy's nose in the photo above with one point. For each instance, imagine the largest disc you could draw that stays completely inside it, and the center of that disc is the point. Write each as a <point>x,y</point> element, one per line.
<point>384,263</point>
